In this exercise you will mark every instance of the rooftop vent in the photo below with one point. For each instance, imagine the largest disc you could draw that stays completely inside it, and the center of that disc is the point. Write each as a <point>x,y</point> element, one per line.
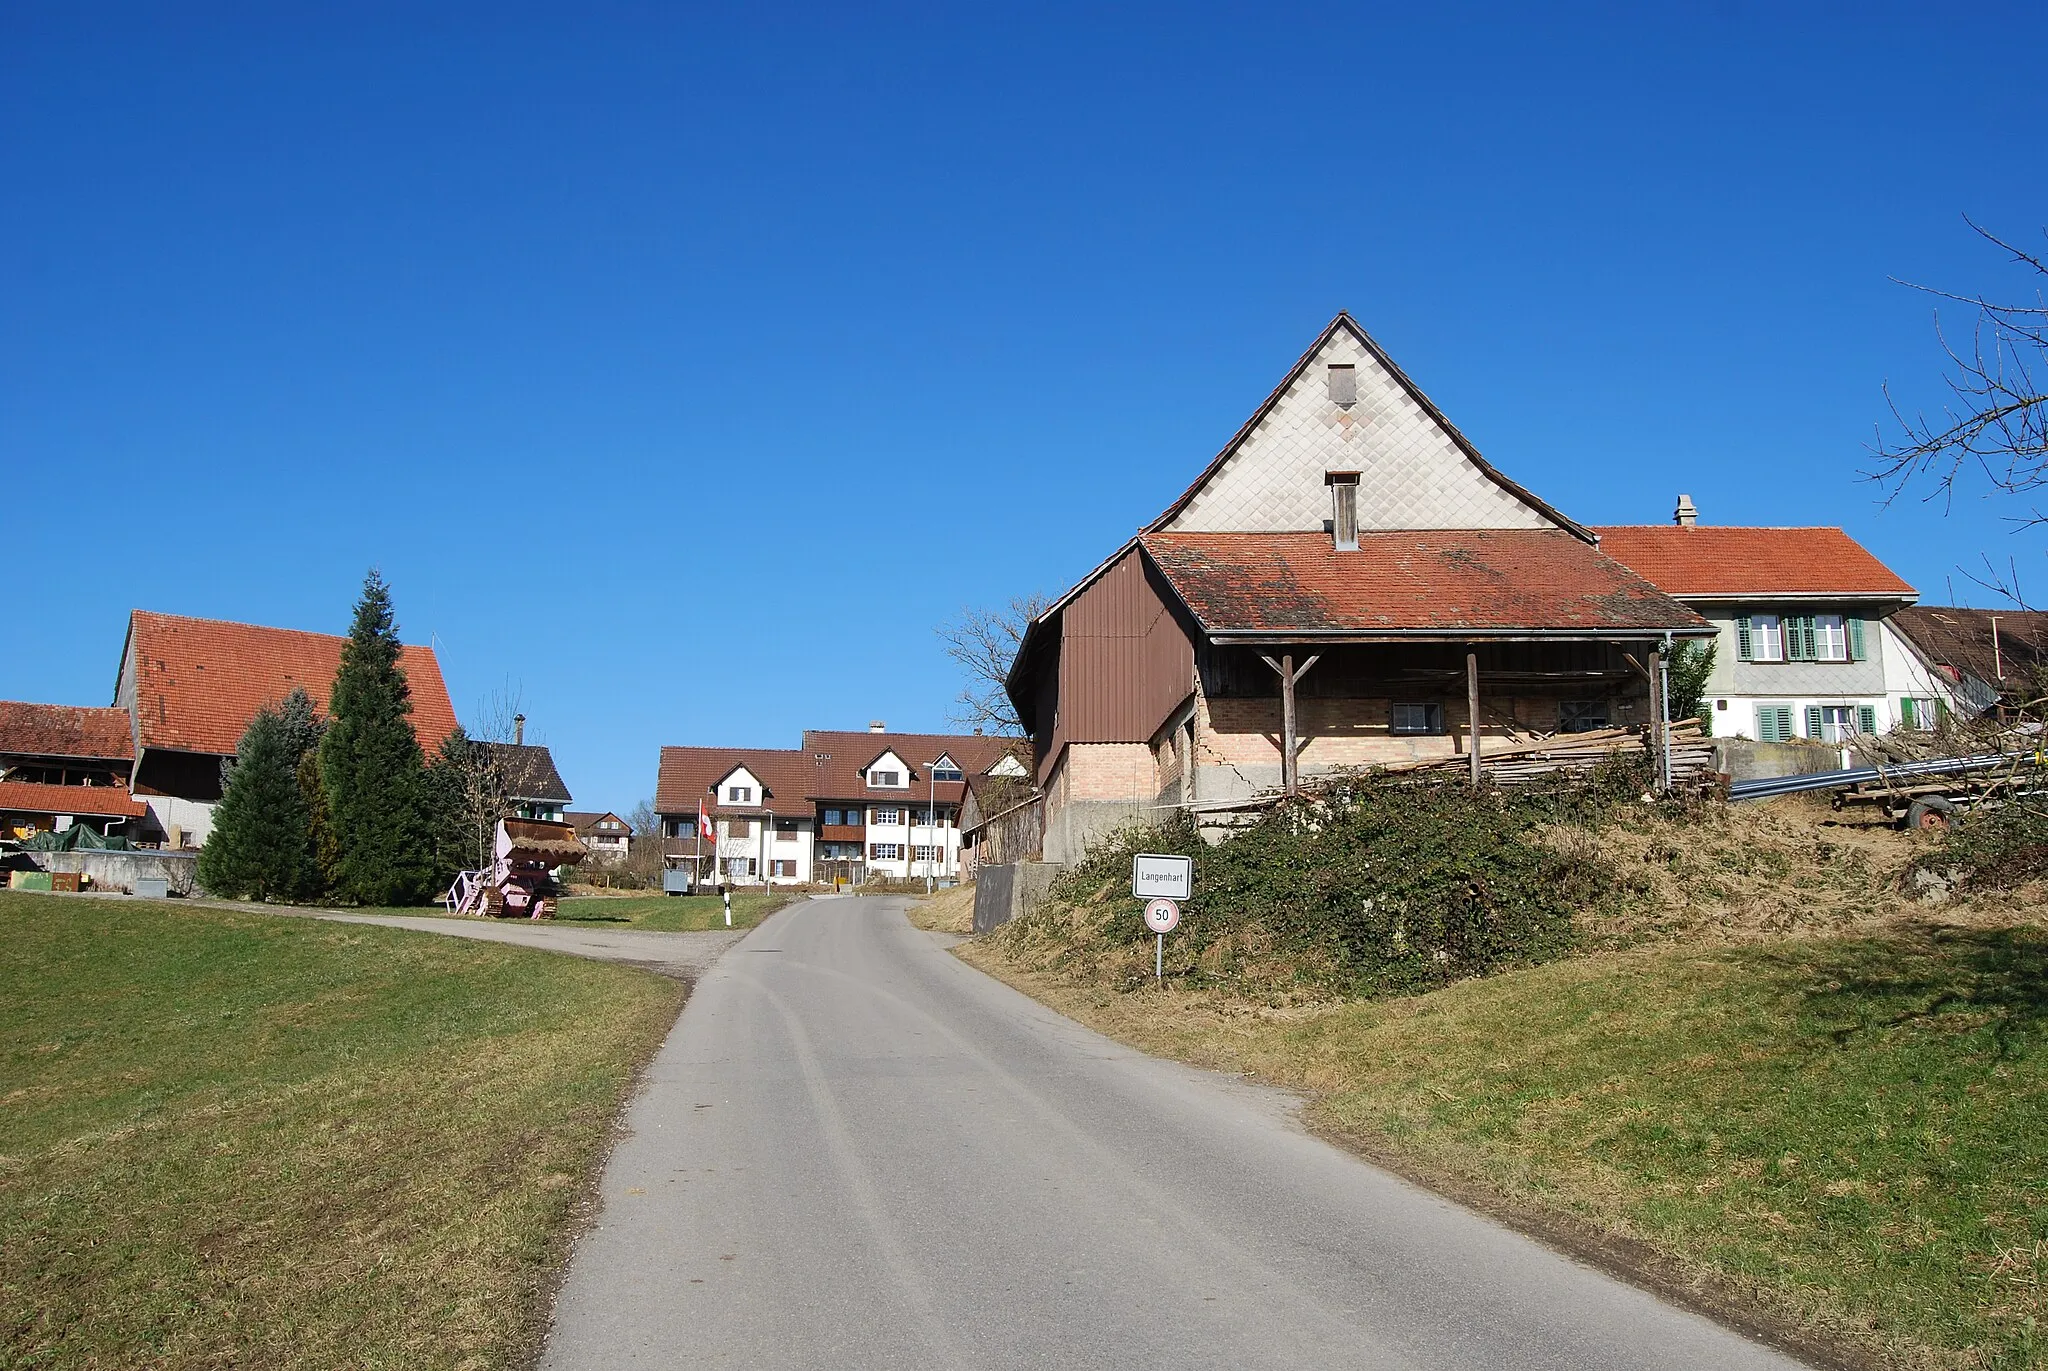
<point>877,726</point>
<point>1343,509</point>
<point>1685,516</point>
<point>518,729</point>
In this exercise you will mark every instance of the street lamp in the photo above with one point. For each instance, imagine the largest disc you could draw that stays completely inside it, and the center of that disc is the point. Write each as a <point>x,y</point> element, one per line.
<point>931,791</point>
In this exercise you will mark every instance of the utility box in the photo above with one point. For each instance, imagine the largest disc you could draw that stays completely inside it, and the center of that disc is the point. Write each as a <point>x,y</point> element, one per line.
<point>152,887</point>
<point>675,881</point>
<point>28,880</point>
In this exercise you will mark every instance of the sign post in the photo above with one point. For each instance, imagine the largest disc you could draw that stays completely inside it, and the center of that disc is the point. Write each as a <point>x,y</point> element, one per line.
<point>1160,879</point>
<point>726,891</point>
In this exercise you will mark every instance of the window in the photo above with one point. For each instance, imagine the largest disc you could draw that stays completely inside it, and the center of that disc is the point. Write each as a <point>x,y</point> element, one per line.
<point>1581,716</point>
<point>739,828</point>
<point>785,830</point>
<point>832,817</point>
<point>885,852</point>
<point>1918,711</point>
<point>1416,718</point>
<point>737,867</point>
<point>924,853</point>
<point>1343,383</point>
<point>947,773</point>
<point>1830,638</point>
<point>885,778</point>
<point>888,816</point>
<point>1839,723</point>
<point>739,794</point>
<point>782,868</point>
<point>1774,723</point>
<point>1760,638</point>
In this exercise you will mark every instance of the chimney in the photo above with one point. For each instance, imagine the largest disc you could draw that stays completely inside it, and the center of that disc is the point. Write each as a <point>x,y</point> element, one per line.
<point>519,730</point>
<point>1343,509</point>
<point>1685,516</point>
<point>877,726</point>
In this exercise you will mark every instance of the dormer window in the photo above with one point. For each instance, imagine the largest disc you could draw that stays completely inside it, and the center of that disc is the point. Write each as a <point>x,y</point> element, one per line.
<point>1343,384</point>
<point>885,778</point>
<point>1343,509</point>
<point>739,794</point>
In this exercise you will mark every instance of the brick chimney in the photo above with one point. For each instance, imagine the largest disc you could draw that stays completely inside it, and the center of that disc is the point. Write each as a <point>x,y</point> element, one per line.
<point>1685,516</point>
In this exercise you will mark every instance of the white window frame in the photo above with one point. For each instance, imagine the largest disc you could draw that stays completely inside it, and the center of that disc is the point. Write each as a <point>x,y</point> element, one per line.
<point>1838,723</point>
<point>888,818</point>
<point>888,852</point>
<point>1766,638</point>
<point>739,794</point>
<point>887,780</point>
<point>1830,638</point>
<point>927,852</point>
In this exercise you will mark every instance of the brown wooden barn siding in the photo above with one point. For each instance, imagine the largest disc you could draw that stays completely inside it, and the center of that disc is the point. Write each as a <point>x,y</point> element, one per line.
<point>1125,662</point>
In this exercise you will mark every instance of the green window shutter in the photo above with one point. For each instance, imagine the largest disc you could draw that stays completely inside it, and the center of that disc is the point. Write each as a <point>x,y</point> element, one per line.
<point>1799,638</point>
<point>1743,650</point>
<point>1784,713</point>
<point>1906,719</point>
<point>1940,709</point>
<point>1813,723</point>
<point>1866,719</point>
<point>1855,629</point>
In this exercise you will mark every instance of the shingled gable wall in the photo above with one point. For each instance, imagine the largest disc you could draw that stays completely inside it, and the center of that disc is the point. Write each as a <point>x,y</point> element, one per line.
<point>1411,472</point>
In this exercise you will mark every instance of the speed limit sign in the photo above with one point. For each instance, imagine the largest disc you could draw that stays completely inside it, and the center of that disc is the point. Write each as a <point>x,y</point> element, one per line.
<point>1162,916</point>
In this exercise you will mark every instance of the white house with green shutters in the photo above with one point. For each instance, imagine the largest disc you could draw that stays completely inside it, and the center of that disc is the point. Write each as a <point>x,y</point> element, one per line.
<point>1805,648</point>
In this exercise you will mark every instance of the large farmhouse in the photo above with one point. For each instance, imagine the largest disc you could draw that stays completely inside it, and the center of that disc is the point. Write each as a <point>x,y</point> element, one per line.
<point>1348,582</point>
<point>149,767</point>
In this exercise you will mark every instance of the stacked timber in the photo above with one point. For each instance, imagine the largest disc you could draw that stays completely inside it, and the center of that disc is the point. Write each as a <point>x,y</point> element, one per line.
<point>1692,756</point>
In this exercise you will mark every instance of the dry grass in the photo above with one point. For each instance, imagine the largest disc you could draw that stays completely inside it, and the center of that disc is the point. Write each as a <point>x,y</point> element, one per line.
<point>237,1140</point>
<point>1789,1089</point>
<point>948,911</point>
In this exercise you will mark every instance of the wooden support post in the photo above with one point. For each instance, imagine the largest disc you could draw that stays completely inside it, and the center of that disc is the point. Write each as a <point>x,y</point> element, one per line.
<point>1472,712</point>
<point>1290,745</point>
<point>1657,716</point>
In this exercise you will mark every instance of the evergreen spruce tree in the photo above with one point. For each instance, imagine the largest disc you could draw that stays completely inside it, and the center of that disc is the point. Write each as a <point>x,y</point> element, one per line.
<point>258,843</point>
<point>447,776</point>
<point>323,853</point>
<point>372,768</point>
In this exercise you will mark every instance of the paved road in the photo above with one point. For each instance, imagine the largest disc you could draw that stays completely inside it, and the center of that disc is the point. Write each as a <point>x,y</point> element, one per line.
<point>856,1152</point>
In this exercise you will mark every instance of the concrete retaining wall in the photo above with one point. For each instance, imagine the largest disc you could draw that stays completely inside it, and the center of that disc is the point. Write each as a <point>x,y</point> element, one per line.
<point>119,870</point>
<point>1744,759</point>
<point>1001,893</point>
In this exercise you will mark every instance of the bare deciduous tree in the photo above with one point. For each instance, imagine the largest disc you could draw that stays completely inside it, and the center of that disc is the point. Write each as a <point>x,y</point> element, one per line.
<point>983,642</point>
<point>1995,427</point>
<point>484,783</point>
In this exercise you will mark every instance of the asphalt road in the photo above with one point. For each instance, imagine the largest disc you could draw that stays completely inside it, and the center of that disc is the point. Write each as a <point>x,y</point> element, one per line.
<point>856,1151</point>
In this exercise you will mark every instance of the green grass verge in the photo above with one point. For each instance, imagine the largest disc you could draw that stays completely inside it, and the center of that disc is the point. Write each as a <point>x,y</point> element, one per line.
<point>672,913</point>
<point>1853,1131</point>
<point>235,1139</point>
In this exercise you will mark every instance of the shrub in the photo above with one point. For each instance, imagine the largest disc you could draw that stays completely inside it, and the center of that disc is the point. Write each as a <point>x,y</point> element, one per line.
<point>1382,889</point>
<point>2003,845</point>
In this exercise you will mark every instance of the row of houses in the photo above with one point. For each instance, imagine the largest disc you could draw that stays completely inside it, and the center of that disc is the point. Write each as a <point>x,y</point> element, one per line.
<point>1349,582</point>
<point>842,807</point>
<point>148,766</point>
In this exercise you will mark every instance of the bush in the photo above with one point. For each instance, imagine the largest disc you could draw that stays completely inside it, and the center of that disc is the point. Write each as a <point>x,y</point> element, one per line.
<point>1384,889</point>
<point>2002,845</point>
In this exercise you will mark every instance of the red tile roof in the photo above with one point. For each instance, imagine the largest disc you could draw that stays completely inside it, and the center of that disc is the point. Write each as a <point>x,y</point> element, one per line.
<point>688,773</point>
<point>1716,561</point>
<point>28,730</point>
<point>1453,581</point>
<point>826,768</point>
<point>99,801</point>
<point>198,682</point>
<point>841,758</point>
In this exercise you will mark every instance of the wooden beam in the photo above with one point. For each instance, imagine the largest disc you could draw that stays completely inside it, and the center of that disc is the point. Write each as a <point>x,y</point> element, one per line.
<point>1290,744</point>
<point>1656,739</point>
<point>1472,712</point>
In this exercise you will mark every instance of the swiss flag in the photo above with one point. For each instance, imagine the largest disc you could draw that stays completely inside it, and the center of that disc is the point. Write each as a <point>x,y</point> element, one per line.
<point>704,828</point>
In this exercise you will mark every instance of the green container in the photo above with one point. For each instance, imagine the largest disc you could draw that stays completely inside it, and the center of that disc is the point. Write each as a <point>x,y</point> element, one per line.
<point>28,880</point>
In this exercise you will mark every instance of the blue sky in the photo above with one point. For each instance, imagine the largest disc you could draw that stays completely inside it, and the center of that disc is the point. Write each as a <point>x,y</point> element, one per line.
<point>683,367</point>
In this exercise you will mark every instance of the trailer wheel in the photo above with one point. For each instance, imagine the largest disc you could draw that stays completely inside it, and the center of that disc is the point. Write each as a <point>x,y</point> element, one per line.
<point>1932,814</point>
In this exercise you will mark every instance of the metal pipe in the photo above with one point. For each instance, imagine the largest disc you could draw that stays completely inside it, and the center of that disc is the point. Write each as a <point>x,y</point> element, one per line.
<point>1769,787</point>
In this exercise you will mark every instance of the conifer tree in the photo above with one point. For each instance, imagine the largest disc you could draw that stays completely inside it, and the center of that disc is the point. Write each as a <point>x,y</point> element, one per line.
<point>372,768</point>
<point>258,843</point>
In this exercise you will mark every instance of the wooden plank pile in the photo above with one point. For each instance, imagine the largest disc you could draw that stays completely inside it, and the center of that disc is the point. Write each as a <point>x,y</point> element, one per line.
<point>1692,756</point>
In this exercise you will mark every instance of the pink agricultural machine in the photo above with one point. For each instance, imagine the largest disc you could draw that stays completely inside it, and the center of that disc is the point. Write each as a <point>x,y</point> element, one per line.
<point>520,882</point>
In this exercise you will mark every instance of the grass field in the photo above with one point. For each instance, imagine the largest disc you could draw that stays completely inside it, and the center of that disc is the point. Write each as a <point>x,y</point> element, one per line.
<point>234,1139</point>
<point>671,913</point>
<point>1849,1133</point>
